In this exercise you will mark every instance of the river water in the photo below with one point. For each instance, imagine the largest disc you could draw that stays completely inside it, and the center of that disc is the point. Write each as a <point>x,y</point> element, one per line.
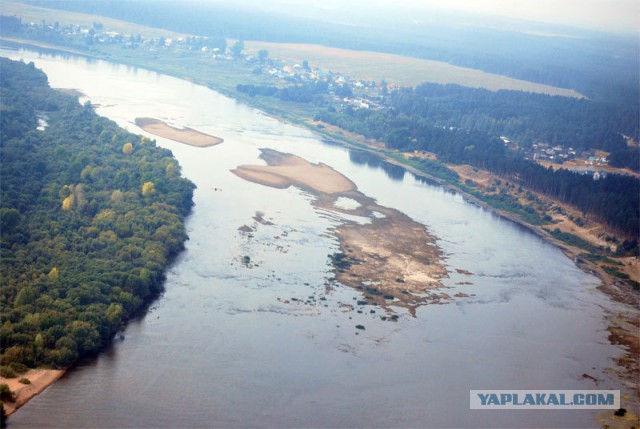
<point>236,345</point>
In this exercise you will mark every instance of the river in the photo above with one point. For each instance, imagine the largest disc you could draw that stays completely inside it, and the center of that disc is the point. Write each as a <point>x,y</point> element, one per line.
<point>272,344</point>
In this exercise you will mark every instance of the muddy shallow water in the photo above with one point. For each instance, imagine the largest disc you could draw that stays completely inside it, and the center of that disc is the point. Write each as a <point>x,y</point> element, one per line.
<point>272,341</point>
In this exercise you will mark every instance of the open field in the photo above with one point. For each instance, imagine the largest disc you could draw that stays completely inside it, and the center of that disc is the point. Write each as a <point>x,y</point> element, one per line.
<point>404,71</point>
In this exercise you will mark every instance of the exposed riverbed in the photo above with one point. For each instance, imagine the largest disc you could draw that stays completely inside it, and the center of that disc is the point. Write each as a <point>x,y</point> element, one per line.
<point>273,340</point>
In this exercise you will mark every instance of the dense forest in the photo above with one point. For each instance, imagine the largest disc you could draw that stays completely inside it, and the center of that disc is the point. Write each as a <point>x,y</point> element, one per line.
<point>523,117</point>
<point>90,217</point>
<point>413,121</point>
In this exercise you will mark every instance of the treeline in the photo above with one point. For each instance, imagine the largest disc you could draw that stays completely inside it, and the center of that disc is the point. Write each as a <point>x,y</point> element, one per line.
<point>524,117</point>
<point>310,92</point>
<point>407,125</point>
<point>90,216</point>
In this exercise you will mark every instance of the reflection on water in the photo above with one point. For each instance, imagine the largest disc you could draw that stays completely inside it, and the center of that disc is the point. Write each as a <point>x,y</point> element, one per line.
<point>274,343</point>
<point>359,157</point>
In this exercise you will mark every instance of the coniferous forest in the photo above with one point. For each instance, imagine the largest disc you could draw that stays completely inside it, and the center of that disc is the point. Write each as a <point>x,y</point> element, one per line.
<point>91,216</point>
<point>462,125</point>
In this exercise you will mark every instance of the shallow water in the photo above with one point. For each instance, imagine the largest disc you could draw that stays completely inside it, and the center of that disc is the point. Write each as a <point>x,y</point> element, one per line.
<point>227,345</point>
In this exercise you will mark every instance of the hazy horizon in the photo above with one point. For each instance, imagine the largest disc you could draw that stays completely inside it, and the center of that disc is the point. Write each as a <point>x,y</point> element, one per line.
<point>613,16</point>
<point>604,15</point>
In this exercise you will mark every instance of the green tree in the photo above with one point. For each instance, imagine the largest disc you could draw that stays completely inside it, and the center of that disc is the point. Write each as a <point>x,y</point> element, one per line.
<point>114,314</point>
<point>6,394</point>
<point>26,296</point>
<point>9,219</point>
<point>237,48</point>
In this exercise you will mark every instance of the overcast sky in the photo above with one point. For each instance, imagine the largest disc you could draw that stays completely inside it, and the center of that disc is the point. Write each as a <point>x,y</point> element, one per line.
<point>611,15</point>
<point>621,16</point>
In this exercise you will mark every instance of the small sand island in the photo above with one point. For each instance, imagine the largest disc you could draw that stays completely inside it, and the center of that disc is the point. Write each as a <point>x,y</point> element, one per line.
<point>181,135</point>
<point>391,258</point>
<point>284,170</point>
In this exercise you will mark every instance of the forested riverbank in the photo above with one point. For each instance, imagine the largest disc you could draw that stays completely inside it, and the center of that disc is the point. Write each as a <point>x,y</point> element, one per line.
<point>91,216</point>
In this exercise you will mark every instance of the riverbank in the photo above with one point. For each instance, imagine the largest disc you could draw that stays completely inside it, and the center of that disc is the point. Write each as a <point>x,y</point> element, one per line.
<point>39,380</point>
<point>618,289</point>
<point>181,135</point>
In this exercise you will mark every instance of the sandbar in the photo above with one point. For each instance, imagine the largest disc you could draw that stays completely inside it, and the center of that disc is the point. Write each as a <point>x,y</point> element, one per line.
<point>391,258</point>
<point>181,135</point>
<point>40,379</point>
<point>284,170</point>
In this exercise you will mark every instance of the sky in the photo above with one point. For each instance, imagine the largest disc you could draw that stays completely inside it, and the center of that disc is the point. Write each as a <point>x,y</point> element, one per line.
<point>608,15</point>
<point>619,16</point>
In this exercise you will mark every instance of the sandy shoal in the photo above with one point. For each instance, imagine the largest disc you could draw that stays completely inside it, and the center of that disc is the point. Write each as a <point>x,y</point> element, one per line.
<point>392,258</point>
<point>285,170</point>
<point>184,135</point>
<point>40,379</point>
<point>395,256</point>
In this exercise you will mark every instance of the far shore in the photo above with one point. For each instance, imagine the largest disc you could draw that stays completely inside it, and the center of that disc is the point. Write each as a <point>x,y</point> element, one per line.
<point>181,135</point>
<point>39,380</point>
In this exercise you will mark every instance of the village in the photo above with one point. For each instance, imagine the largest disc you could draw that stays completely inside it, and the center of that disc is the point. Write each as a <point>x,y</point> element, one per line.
<point>345,91</point>
<point>592,162</point>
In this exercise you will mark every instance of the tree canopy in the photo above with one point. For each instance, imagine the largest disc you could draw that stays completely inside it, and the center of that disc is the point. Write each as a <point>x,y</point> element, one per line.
<point>91,215</point>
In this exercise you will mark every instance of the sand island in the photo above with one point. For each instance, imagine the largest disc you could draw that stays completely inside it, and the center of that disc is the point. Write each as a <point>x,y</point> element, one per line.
<point>284,170</point>
<point>391,258</point>
<point>180,135</point>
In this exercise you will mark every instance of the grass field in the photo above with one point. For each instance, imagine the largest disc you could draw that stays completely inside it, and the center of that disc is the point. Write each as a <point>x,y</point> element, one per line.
<point>404,71</point>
